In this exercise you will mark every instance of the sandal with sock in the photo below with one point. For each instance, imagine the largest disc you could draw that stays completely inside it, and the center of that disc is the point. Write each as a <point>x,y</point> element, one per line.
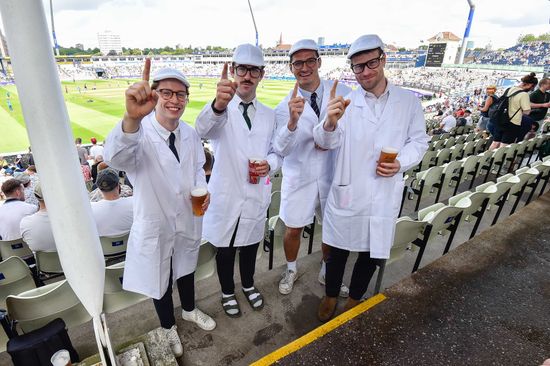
<point>255,298</point>
<point>231,306</point>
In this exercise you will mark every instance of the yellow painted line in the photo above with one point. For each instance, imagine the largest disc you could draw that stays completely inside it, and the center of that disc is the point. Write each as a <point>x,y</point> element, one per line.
<point>319,331</point>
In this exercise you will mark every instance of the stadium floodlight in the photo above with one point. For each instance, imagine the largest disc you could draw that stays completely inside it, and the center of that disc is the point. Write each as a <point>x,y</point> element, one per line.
<point>254,22</point>
<point>56,46</point>
<point>47,121</point>
<point>466,32</point>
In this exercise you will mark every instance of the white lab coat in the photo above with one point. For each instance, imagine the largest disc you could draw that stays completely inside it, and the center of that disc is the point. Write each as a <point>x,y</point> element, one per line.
<point>362,206</point>
<point>307,171</point>
<point>164,227</point>
<point>232,197</point>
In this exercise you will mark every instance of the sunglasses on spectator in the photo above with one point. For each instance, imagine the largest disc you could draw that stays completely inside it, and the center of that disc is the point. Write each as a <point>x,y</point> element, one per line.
<point>310,62</point>
<point>371,64</point>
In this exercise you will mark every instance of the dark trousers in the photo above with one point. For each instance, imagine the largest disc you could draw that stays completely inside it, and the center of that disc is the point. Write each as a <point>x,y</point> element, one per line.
<point>225,263</point>
<point>165,305</point>
<point>362,272</point>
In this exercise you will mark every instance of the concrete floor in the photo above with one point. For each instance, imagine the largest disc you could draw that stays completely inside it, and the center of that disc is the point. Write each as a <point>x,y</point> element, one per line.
<point>283,319</point>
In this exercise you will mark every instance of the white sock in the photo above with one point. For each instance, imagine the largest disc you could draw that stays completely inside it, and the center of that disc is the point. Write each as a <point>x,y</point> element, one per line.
<point>291,266</point>
<point>248,289</point>
<point>323,270</point>
<point>224,295</point>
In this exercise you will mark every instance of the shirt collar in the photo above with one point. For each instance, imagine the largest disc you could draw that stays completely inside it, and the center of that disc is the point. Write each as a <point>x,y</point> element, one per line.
<point>370,95</point>
<point>163,132</point>
<point>318,91</point>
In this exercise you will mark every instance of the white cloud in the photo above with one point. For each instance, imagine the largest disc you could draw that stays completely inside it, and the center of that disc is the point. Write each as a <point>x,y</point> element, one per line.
<point>156,23</point>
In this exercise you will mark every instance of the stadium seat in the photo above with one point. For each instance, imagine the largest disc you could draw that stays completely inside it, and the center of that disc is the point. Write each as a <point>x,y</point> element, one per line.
<point>427,161</point>
<point>407,232</point>
<point>457,151</point>
<point>115,298</point>
<point>450,142</point>
<point>544,168</point>
<point>206,264</point>
<point>114,247</point>
<point>468,169</point>
<point>48,265</point>
<point>37,307</point>
<point>443,219</point>
<point>439,144</point>
<point>450,173</point>
<point>443,156</point>
<point>498,194</point>
<point>274,237</point>
<point>18,248</point>
<point>530,148</point>
<point>426,181</point>
<point>479,202</point>
<point>469,148</point>
<point>527,176</point>
<point>15,277</point>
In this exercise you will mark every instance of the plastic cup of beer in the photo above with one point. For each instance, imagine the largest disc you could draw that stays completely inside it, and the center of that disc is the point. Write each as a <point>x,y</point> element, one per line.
<point>388,155</point>
<point>61,358</point>
<point>253,177</point>
<point>198,195</point>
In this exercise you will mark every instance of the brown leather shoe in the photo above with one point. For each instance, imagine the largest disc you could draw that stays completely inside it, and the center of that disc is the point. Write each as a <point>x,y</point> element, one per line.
<point>327,307</point>
<point>351,303</point>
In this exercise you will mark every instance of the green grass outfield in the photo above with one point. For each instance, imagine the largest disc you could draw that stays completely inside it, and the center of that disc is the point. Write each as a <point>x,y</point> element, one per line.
<point>93,113</point>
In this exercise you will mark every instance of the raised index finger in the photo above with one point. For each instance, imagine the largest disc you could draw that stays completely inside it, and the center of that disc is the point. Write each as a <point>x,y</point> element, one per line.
<point>146,70</point>
<point>224,71</point>
<point>333,89</point>
<point>295,91</point>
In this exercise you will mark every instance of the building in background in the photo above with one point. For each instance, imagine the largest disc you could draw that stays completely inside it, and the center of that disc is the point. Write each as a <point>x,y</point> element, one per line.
<point>109,43</point>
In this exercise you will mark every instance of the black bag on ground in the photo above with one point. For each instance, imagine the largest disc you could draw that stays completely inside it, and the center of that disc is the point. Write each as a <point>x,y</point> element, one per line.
<point>498,111</point>
<point>37,347</point>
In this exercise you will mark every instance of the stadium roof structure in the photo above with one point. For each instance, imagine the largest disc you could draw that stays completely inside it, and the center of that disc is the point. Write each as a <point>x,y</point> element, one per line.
<point>444,36</point>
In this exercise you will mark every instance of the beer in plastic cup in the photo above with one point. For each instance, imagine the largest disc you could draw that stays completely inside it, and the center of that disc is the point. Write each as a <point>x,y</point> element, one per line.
<point>388,155</point>
<point>61,358</point>
<point>198,195</point>
<point>253,176</point>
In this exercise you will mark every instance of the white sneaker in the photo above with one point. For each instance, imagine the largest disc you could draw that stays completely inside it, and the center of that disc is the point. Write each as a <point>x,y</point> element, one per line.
<point>174,341</point>
<point>344,290</point>
<point>203,321</point>
<point>287,282</point>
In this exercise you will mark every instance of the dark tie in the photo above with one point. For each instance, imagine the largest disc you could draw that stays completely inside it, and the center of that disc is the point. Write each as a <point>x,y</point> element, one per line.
<point>314,104</point>
<point>245,114</point>
<point>172,147</point>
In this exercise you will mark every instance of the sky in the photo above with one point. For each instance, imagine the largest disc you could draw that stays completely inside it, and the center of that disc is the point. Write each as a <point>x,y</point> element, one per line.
<point>405,23</point>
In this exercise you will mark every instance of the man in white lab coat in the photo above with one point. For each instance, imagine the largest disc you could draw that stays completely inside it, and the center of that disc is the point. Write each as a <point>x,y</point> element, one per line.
<point>163,158</point>
<point>364,198</point>
<point>240,128</point>
<point>307,169</point>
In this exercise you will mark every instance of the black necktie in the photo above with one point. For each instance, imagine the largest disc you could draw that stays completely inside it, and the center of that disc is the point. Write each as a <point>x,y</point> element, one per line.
<point>245,114</point>
<point>172,147</point>
<point>314,104</point>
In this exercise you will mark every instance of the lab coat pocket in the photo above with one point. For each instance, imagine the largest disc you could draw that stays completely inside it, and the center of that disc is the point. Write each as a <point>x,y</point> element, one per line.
<point>342,196</point>
<point>145,233</point>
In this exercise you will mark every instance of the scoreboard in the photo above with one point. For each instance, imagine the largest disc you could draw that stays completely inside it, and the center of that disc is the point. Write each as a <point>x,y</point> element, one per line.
<point>436,53</point>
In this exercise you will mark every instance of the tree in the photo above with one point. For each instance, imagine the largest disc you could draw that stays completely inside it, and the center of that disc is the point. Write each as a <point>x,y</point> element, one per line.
<point>527,38</point>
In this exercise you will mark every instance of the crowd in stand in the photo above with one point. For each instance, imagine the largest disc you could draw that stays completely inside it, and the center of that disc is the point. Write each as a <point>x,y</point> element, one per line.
<point>531,53</point>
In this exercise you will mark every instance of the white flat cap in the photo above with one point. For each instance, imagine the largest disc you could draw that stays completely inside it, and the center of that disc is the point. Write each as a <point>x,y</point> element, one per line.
<point>247,54</point>
<point>365,43</point>
<point>169,73</point>
<point>303,44</point>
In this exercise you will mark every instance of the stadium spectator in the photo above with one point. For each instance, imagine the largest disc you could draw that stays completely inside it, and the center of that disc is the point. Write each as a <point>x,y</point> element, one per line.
<point>240,128</point>
<point>28,187</point>
<point>32,173</point>
<point>163,158</point>
<point>489,100</point>
<point>82,152</point>
<point>533,132</point>
<point>468,117</point>
<point>3,162</point>
<point>208,164</point>
<point>36,229</point>
<point>96,149</point>
<point>540,100</point>
<point>113,215</point>
<point>448,122</point>
<point>296,115</point>
<point>365,193</point>
<point>97,159</point>
<point>13,209</point>
<point>519,106</point>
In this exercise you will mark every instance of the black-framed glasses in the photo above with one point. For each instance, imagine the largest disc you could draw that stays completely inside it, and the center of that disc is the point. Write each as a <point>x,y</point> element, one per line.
<point>167,94</point>
<point>371,64</point>
<point>241,71</point>
<point>310,62</point>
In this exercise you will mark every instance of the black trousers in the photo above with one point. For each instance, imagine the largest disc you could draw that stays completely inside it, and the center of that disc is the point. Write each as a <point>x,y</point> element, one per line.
<point>165,305</point>
<point>225,263</point>
<point>362,272</point>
